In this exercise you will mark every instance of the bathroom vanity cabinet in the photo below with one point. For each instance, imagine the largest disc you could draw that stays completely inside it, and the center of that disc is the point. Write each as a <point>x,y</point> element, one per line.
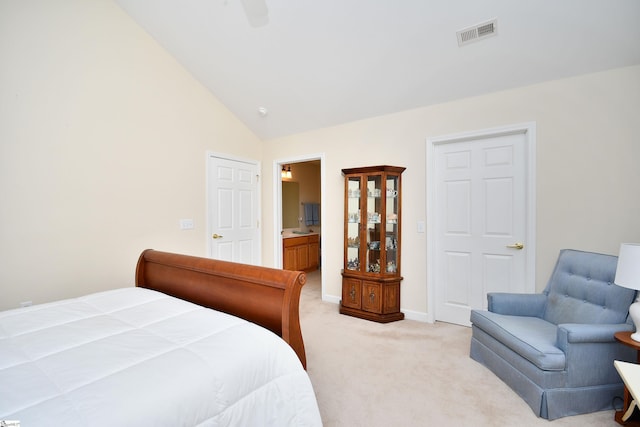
<point>301,253</point>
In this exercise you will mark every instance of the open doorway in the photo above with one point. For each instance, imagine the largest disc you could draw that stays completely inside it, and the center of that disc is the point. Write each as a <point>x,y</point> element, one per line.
<point>299,185</point>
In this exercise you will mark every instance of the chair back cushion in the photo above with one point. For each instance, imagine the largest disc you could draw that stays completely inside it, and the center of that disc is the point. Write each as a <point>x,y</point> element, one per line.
<point>581,290</point>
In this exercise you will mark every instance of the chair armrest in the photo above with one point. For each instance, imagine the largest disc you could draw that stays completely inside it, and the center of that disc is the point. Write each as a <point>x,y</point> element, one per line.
<point>531,305</point>
<point>590,350</point>
<point>588,333</point>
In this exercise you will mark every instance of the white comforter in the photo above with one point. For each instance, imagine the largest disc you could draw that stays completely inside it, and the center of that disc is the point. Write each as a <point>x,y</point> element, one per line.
<point>135,357</point>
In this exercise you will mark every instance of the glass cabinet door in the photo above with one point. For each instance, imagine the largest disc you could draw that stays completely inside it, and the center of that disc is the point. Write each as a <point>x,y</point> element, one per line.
<point>391,224</point>
<point>353,223</point>
<point>374,227</point>
<point>372,223</point>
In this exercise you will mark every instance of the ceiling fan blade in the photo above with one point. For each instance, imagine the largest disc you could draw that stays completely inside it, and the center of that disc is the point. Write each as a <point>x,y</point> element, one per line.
<point>256,11</point>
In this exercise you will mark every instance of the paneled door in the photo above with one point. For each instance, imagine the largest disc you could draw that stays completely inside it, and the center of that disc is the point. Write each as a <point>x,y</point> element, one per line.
<point>481,223</point>
<point>233,210</point>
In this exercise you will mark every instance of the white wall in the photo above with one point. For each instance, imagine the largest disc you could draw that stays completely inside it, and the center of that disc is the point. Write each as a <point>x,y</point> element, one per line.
<point>103,140</point>
<point>588,148</point>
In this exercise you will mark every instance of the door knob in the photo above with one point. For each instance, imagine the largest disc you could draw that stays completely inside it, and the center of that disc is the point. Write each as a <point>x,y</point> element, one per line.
<point>517,245</point>
<point>217,236</point>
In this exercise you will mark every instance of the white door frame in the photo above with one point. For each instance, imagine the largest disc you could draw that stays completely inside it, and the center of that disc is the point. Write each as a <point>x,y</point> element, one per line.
<point>257,164</point>
<point>529,131</point>
<point>277,203</point>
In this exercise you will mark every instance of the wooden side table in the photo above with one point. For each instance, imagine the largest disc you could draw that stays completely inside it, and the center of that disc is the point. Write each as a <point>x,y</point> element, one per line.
<point>625,338</point>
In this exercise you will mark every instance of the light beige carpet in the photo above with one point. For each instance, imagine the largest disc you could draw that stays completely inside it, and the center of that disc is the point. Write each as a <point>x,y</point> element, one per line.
<point>406,373</point>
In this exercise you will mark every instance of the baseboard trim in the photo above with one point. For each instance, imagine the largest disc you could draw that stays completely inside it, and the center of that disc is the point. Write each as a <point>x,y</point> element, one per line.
<point>415,315</point>
<point>408,314</point>
<point>331,298</point>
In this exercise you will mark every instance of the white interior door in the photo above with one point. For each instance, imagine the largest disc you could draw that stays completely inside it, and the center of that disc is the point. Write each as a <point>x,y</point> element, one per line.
<point>482,222</point>
<point>233,210</point>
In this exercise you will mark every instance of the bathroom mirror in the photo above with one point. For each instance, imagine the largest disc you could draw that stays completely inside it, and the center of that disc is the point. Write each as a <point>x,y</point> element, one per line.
<point>290,204</point>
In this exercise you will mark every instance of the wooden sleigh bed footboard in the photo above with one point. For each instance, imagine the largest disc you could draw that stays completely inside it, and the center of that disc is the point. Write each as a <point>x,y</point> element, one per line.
<point>262,295</point>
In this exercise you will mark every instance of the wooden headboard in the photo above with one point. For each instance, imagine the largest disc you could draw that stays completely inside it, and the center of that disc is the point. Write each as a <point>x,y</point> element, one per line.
<point>262,295</point>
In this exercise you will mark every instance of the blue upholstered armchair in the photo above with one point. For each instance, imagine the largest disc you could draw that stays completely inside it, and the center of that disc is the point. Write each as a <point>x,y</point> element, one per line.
<point>556,349</point>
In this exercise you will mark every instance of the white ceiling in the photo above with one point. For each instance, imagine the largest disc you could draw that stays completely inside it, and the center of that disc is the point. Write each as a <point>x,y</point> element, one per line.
<point>318,63</point>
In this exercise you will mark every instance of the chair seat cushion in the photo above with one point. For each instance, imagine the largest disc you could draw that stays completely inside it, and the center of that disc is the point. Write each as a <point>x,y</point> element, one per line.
<point>531,337</point>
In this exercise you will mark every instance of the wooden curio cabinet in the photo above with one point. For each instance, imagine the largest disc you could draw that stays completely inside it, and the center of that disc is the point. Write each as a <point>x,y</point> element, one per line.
<point>371,273</point>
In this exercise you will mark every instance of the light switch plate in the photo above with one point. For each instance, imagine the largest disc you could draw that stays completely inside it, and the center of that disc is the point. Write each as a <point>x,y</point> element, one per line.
<point>186,224</point>
<point>421,227</point>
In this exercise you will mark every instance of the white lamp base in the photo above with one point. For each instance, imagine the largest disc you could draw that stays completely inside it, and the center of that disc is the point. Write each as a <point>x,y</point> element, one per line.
<point>634,313</point>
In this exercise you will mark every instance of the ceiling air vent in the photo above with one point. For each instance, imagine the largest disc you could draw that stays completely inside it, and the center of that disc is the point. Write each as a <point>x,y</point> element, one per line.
<point>477,32</point>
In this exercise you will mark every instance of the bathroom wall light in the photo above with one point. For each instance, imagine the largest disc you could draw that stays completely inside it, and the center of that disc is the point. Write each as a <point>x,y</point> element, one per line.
<point>286,173</point>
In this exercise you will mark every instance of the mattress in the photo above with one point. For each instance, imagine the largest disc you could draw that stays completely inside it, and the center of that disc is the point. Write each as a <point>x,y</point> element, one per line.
<point>137,357</point>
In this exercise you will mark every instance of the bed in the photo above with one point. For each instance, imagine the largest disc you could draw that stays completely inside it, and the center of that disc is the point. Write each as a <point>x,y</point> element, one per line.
<point>197,342</point>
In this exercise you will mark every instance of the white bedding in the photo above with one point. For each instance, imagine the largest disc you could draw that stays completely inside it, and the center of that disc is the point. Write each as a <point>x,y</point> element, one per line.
<point>135,357</point>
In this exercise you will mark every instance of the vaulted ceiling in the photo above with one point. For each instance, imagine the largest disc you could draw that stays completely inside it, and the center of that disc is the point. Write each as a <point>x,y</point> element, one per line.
<point>315,63</point>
